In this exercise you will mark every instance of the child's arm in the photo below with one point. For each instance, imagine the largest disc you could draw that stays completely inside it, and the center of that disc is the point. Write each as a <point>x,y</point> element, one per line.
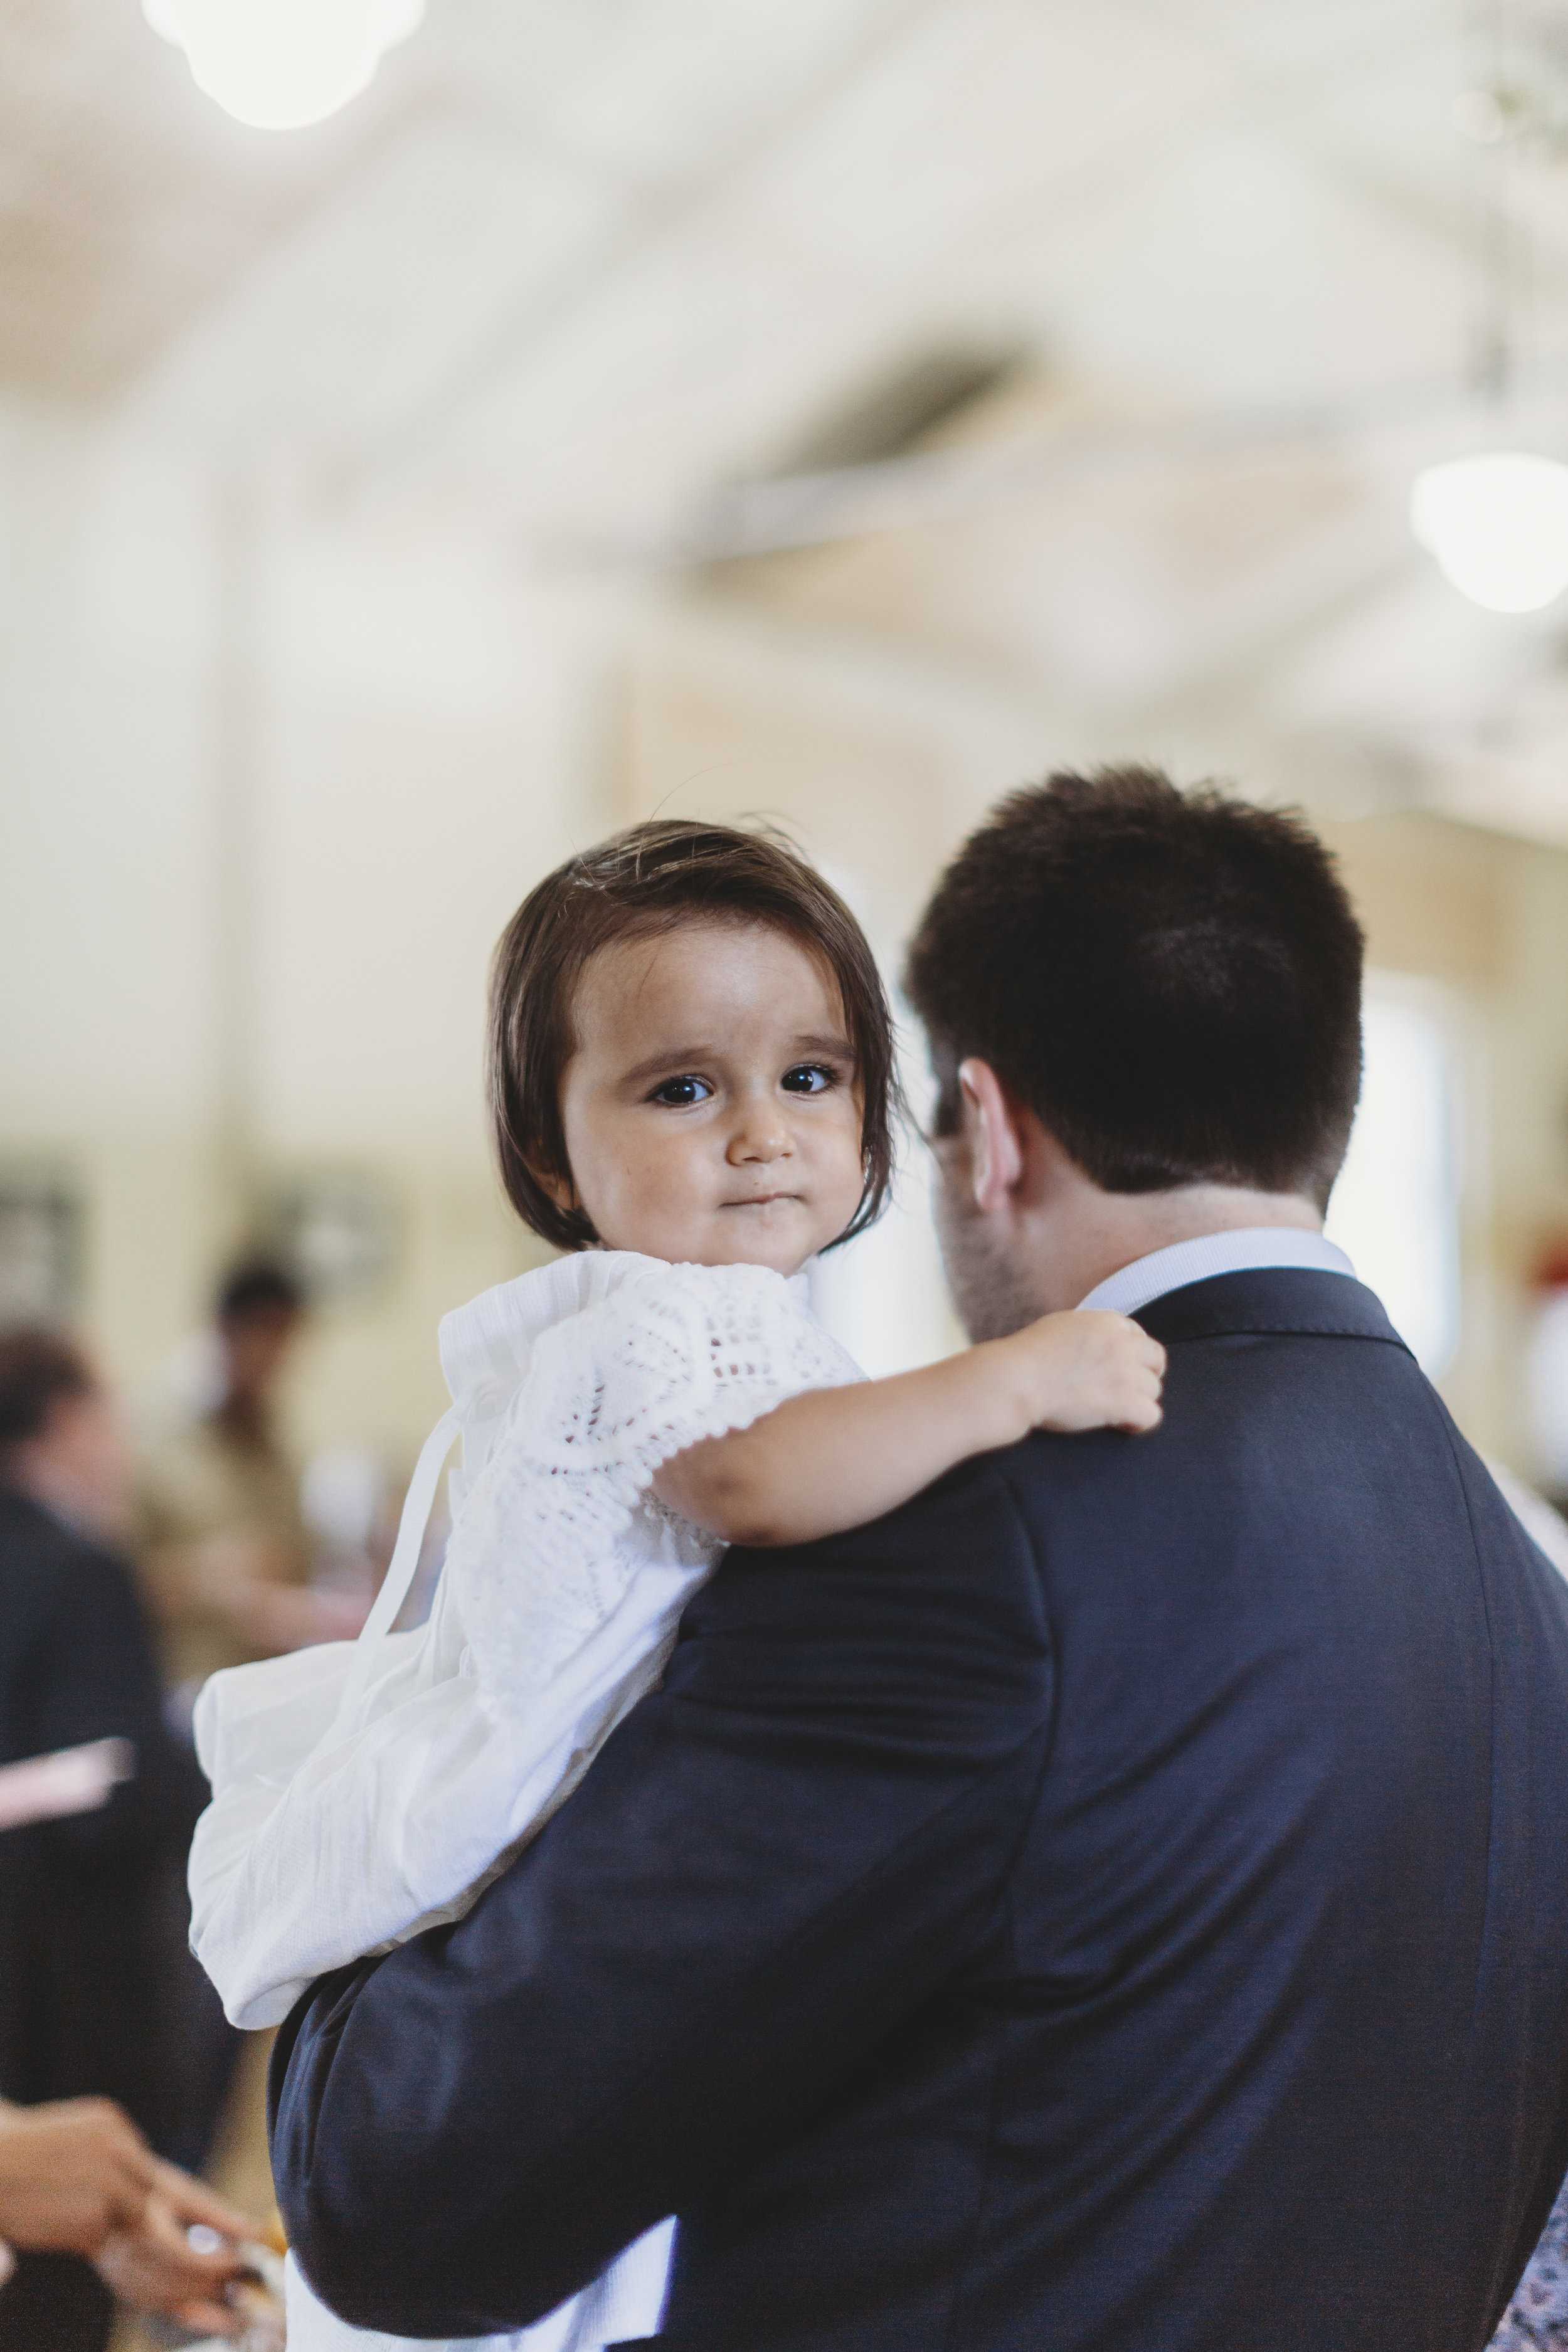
<point>834,1458</point>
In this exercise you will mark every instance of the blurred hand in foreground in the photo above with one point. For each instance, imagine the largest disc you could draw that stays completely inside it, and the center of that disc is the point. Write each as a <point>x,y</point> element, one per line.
<point>71,2173</point>
<point>77,2178</point>
<point>154,2266</point>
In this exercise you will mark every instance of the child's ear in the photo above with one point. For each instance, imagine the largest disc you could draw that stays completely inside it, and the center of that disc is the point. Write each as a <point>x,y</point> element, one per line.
<point>560,1189</point>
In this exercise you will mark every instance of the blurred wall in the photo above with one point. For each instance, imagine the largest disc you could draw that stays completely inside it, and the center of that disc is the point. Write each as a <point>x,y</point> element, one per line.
<point>1484,918</point>
<point>278,768</point>
<point>274,778</point>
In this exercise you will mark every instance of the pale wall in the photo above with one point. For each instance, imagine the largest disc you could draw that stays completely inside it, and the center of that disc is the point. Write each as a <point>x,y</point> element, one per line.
<point>425,729</point>
<point>194,1002</point>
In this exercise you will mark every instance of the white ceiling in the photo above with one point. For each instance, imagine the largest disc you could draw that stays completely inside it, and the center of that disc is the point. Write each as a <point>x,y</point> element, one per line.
<point>612,248</point>
<point>575,264</point>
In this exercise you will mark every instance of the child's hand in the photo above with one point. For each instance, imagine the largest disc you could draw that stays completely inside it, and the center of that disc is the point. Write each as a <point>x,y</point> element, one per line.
<point>1090,1372</point>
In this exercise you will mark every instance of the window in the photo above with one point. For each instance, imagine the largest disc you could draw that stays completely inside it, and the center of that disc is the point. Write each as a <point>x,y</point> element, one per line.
<point>1395,1208</point>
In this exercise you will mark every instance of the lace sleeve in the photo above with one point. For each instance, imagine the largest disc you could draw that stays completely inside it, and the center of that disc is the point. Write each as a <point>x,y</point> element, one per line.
<point>675,1355</point>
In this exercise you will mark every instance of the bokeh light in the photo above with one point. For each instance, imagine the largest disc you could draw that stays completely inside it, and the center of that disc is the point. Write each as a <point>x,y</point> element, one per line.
<point>280,63</point>
<point>1498,525</point>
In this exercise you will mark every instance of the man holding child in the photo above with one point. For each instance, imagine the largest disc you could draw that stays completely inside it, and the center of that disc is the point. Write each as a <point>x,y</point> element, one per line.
<point>1115,1900</point>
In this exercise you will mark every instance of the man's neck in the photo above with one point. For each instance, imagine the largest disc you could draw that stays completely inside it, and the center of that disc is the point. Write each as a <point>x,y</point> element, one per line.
<point>1072,1249</point>
<point>1026,1231</point>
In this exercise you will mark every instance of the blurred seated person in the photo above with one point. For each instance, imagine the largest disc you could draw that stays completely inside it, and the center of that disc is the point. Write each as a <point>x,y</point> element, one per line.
<point>79,2185</point>
<point>224,1554</point>
<point>98,1996</point>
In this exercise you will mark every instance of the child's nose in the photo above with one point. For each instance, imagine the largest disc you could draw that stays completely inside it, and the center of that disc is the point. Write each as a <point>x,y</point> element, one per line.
<point>761,1135</point>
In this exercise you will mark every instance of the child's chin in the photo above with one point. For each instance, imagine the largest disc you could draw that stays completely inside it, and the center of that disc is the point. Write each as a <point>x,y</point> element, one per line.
<point>782,1250</point>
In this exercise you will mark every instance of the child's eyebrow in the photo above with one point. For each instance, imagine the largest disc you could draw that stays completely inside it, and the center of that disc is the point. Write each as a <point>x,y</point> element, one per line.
<point>682,1057</point>
<point>678,1058</point>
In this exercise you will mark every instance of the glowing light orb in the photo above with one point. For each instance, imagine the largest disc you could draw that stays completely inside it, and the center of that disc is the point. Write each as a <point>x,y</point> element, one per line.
<point>279,64</point>
<point>1498,526</point>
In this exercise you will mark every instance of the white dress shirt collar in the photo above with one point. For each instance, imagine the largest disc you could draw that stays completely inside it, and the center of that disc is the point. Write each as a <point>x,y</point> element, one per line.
<point>1245,1251</point>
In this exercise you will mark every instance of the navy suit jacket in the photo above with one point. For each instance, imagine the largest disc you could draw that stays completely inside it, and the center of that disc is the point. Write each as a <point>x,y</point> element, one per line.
<point>1119,1900</point>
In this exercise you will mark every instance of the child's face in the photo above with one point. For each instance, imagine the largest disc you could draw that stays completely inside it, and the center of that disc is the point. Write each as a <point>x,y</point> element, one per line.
<point>712,1108</point>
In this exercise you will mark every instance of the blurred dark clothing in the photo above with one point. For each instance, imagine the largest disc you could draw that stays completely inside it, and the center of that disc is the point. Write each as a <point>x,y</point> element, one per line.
<point>54,2303</point>
<point>99,1994</point>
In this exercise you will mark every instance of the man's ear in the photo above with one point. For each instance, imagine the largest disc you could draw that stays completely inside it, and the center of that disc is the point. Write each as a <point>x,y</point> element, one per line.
<point>995,1145</point>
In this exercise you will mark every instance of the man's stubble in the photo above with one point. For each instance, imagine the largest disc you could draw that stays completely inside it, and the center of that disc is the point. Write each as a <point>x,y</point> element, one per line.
<point>993,1285</point>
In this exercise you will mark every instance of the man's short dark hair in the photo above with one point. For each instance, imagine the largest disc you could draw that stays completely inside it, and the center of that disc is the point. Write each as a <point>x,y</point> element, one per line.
<point>649,879</point>
<point>1170,981</point>
<point>38,1366</point>
<point>257,1290</point>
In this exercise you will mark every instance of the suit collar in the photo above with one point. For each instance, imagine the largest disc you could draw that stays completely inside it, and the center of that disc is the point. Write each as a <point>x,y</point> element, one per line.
<point>1233,1250</point>
<point>1295,1300</point>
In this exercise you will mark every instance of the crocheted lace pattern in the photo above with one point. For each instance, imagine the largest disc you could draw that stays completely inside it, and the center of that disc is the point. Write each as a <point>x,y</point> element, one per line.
<point>538,1555</point>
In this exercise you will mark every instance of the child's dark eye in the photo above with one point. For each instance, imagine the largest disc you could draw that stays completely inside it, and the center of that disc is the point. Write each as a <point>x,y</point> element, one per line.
<point>679,1094</point>
<point>808,1078</point>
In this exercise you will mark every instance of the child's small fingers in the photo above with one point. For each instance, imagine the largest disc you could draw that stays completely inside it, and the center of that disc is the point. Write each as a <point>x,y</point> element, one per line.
<point>1141,1393</point>
<point>1131,1339</point>
<point>1141,1422</point>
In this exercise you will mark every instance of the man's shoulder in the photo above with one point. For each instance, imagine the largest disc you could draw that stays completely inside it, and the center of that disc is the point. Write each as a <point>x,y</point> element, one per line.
<point>940,1597</point>
<point>938,1532</point>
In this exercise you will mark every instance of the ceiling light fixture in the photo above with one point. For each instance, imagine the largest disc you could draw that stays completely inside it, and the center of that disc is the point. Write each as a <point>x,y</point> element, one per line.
<point>1497,521</point>
<point>1498,525</point>
<point>279,64</point>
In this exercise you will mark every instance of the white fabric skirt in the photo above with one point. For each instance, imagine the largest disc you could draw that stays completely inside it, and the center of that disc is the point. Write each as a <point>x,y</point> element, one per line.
<point>625,2302</point>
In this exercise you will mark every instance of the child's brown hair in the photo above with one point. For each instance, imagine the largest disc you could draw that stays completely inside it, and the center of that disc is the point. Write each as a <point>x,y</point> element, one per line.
<point>640,882</point>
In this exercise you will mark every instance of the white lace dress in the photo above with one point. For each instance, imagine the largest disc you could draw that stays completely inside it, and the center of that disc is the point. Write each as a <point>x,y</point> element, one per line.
<point>364,1791</point>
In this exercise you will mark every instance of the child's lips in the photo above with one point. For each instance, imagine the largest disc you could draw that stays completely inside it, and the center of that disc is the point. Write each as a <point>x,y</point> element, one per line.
<point>761,1200</point>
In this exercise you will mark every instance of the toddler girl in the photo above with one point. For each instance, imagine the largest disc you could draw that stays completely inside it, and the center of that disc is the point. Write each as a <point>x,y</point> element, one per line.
<point>691,1069</point>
